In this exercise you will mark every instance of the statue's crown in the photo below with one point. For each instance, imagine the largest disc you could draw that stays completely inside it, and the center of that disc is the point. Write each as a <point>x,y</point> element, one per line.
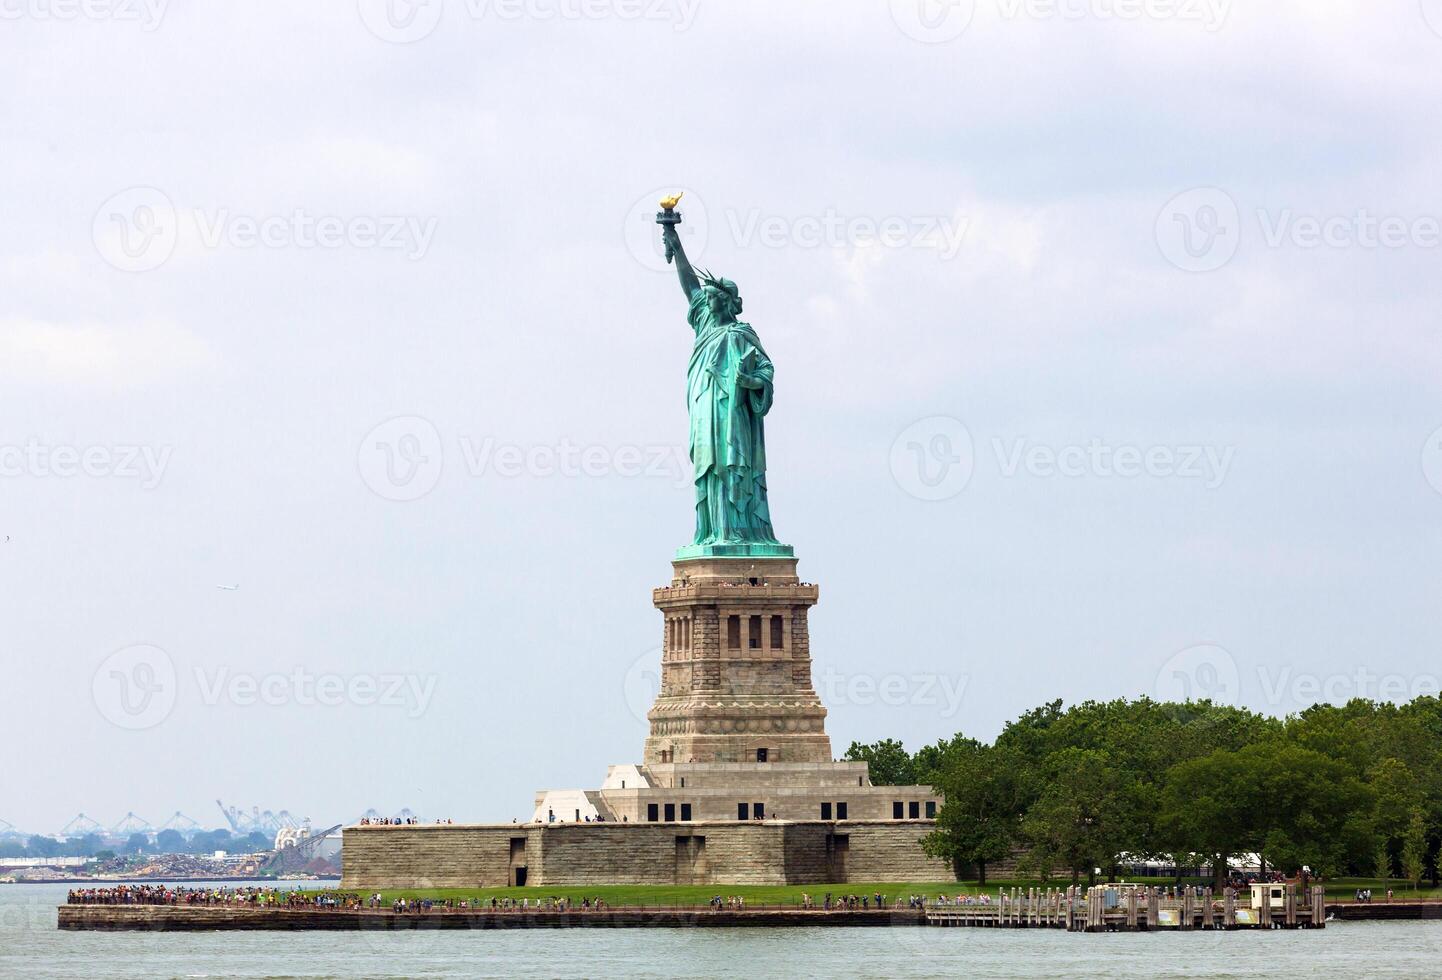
<point>725,285</point>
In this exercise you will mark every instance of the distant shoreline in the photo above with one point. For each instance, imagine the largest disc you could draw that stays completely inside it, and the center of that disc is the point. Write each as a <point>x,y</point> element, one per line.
<point>158,879</point>
<point>172,918</point>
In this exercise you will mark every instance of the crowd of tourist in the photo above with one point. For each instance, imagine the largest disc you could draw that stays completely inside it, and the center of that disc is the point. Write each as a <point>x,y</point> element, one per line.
<point>294,898</point>
<point>846,903</point>
<point>249,896</point>
<point>398,821</point>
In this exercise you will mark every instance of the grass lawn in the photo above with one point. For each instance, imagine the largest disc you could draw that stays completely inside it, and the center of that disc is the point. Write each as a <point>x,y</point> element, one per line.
<point>759,895</point>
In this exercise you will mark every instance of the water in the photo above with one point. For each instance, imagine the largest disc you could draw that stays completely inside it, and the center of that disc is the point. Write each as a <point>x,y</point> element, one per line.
<point>31,946</point>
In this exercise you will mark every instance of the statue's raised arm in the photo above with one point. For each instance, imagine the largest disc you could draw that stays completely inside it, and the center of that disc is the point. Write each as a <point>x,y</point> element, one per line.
<point>668,219</point>
<point>729,392</point>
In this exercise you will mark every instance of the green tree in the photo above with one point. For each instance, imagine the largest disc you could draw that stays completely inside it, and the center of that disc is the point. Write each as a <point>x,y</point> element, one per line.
<point>207,841</point>
<point>82,846</point>
<point>1312,811</point>
<point>137,844</point>
<point>1080,819</point>
<point>39,846</point>
<point>888,761</point>
<point>170,841</point>
<point>1208,807</point>
<point>1414,850</point>
<point>984,794</point>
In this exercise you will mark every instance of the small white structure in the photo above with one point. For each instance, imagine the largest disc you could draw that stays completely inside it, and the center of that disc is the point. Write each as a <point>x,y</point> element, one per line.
<point>564,806</point>
<point>1273,891</point>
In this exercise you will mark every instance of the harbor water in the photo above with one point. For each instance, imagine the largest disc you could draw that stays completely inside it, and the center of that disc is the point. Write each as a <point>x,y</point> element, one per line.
<point>31,946</point>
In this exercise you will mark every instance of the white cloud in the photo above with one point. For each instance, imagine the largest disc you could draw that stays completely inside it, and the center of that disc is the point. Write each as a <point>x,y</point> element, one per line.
<point>99,354</point>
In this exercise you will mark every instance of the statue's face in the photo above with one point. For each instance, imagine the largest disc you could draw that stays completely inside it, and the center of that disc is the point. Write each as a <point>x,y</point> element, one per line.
<point>720,304</point>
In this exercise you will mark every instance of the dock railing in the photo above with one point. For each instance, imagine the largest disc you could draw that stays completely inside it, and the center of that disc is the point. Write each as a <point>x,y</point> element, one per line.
<point>1131,908</point>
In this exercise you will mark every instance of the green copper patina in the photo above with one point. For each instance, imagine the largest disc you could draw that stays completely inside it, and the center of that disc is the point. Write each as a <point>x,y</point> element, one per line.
<point>728,393</point>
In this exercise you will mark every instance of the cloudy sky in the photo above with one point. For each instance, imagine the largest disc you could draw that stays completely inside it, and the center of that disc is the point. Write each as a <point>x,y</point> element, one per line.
<point>1106,345</point>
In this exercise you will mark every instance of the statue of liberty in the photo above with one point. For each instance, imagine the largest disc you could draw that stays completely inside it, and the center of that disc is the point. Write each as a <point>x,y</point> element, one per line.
<point>728,393</point>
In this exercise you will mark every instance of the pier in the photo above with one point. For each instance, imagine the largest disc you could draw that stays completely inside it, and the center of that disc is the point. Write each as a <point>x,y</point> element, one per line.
<point>1122,908</point>
<point>200,918</point>
<point>1105,908</point>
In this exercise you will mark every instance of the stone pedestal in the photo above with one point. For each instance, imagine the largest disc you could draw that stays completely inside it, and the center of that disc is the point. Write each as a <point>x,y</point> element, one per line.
<point>736,666</point>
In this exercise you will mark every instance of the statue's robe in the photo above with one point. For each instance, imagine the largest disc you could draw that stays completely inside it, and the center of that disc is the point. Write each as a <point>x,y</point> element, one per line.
<point>729,391</point>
